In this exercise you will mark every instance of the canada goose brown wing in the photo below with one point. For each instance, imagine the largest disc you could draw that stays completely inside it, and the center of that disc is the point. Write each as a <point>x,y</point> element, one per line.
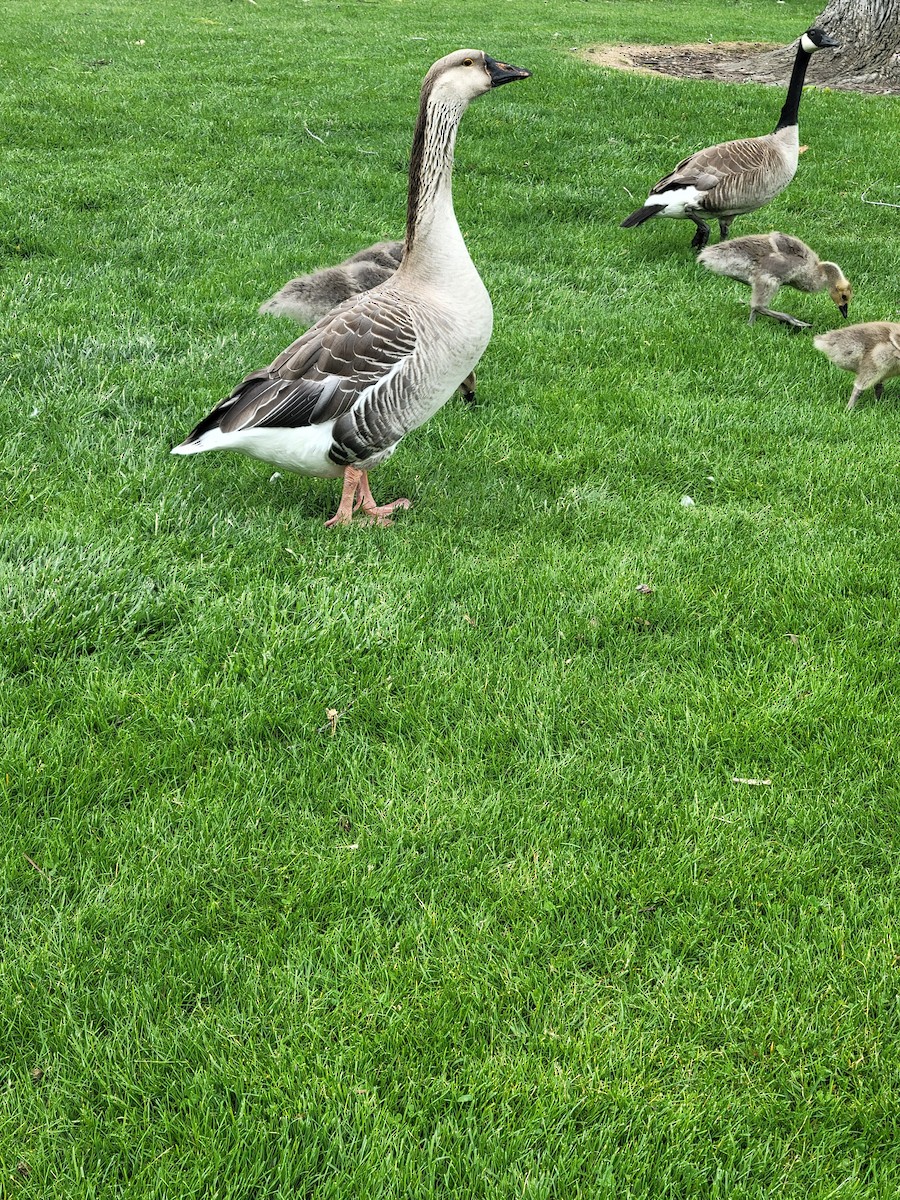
<point>321,375</point>
<point>715,165</point>
<point>738,157</point>
<point>686,175</point>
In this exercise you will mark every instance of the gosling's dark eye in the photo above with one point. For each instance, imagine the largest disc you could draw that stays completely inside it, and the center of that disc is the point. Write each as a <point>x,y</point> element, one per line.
<point>467,62</point>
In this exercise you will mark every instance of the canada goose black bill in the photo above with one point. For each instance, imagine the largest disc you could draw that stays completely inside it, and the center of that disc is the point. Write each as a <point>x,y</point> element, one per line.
<point>732,178</point>
<point>340,399</point>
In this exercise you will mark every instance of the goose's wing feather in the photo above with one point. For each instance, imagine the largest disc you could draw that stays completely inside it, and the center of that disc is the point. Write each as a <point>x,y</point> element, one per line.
<point>686,175</point>
<point>710,166</point>
<point>321,375</point>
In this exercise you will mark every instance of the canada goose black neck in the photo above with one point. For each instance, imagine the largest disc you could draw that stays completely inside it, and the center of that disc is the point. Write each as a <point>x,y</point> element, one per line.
<point>795,90</point>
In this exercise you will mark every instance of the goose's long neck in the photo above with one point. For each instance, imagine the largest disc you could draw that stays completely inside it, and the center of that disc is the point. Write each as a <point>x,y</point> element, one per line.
<point>795,90</point>
<point>433,236</point>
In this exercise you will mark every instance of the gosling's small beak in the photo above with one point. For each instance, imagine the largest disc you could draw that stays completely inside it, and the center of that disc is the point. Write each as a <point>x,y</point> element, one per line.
<point>501,72</point>
<point>842,309</point>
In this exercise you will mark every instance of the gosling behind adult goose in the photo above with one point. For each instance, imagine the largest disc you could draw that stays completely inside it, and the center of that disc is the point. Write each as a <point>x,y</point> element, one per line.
<point>872,350</point>
<point>767,261</point>
<point>341,398</point>
<point>308,298</point>
<point>737,177</point>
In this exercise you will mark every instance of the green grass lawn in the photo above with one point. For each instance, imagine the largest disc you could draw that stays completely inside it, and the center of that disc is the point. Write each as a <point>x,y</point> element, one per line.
<point>511,929</point>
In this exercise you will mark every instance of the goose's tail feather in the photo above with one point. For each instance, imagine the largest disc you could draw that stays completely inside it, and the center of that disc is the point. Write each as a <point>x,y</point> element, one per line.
<point>642,214</point>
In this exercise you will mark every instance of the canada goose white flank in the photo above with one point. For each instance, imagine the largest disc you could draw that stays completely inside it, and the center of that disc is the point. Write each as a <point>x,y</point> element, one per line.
<point>738,177</point>
<point>308,298</point>
<point>340,399</point>
<point>871,350</point>
<point>768,261</point>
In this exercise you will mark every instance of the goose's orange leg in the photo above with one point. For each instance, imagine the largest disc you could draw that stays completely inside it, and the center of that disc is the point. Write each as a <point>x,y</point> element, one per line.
<point>349,504</point>
<point>356,494</point>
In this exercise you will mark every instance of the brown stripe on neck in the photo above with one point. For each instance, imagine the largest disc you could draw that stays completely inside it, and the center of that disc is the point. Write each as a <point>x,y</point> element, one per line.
<point>416,162</point>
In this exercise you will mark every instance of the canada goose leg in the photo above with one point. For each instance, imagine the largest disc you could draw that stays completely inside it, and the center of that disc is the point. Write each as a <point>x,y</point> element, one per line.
<point>378,514</point>
<point>763,290</point>
<point>349,502</point>
<point>467,388</point>
<point>786,318</point>
<point>724,226</point>
<point>701,237</point>
<point>866,377</point>
<point>854,396</point>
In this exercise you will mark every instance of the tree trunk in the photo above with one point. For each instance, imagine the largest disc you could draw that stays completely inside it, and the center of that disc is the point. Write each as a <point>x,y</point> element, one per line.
<point>869,57</point>
<point>869,33</point>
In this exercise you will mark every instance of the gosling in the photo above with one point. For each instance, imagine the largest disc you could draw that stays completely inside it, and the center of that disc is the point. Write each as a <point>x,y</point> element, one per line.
<point>768,261</point>
<point>871,350</point>
<point>308,298</point>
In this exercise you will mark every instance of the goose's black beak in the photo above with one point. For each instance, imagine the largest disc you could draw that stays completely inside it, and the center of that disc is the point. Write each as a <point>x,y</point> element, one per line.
<point>842,309</point>
<point>501,72</point>
<point>827,42</point>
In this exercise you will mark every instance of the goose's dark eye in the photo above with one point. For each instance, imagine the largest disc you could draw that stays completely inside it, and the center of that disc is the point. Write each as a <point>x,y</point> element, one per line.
<point>467,62</point>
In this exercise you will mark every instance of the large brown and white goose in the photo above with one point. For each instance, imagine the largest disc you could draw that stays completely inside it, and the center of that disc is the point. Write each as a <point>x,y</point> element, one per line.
<point>738,177</point>
<point>340,399</point>
<point>308,298</point>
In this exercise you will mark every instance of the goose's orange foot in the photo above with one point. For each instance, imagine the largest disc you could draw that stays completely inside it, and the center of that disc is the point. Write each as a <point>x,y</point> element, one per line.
<point>378,514</point>
<point>357,494</point>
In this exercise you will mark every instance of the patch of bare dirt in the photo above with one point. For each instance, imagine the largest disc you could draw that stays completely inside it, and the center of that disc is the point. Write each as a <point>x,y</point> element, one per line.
<point>725,62</point>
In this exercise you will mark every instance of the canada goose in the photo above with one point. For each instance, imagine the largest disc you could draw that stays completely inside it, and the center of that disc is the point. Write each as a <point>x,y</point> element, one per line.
<point>735,177</point>
<point>871,350</point>
<point>308,298</point>
<point>767,261</point>
<point>340,399</point>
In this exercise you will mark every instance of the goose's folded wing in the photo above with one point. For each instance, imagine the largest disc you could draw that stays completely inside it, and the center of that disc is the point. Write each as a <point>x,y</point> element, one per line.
<point>320,375</point>
<point>687,175</point>
<point>732,158</point>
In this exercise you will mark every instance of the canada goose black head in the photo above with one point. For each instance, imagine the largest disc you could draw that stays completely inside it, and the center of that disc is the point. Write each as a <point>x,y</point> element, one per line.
<point>817,39</point>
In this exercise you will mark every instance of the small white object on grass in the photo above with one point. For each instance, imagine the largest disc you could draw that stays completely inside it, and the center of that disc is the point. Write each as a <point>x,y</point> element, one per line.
<point>687,502</point>
<point>276,475</point>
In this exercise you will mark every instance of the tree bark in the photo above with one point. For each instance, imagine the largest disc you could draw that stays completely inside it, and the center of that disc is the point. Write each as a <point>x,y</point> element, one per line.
<point>869,57</point>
